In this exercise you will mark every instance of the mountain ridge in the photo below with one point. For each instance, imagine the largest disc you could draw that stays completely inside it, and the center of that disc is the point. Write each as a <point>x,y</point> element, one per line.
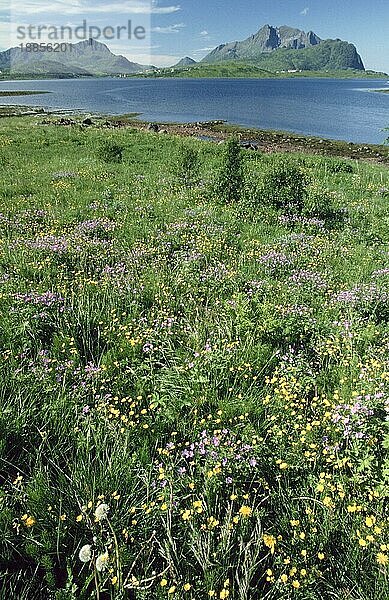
<point>88,57</point>
<point>269,40</point>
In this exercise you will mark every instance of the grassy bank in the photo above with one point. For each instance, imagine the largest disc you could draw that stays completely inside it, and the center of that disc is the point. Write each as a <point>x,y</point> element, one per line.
<point>193,394</point>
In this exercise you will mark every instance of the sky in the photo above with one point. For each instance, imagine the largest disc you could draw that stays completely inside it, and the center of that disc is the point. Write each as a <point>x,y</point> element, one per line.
<point>194,27</point>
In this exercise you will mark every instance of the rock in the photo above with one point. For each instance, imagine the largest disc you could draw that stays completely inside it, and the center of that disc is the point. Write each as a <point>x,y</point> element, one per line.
<point>65,122</point>
<point>249,146</point>
<point>164,131</point>
<point>153,127</point>
<point>87,122</point>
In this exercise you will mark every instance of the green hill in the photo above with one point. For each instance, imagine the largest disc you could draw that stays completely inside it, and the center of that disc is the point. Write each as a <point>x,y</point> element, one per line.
<point>240,69</point>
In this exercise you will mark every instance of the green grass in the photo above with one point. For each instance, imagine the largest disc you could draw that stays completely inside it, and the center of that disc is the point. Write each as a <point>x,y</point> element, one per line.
<point>215,375</point>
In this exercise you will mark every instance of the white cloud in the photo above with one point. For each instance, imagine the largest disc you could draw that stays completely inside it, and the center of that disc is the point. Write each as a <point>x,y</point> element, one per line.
<point>163,10</point>
<point>169,28</point>
<point>204,33</point>
<point>203,50</point>
<point>84,7</point>
<point>305,11</point>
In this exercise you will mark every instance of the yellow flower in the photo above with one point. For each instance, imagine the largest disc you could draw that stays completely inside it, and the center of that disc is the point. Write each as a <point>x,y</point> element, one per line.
<point>320,556</point>
<point>284,578</point>
<point>245,511</point>
<point>296,584</point>
<point>224,594</point>
<point>362,542</point>
<point>163,583</point>
<point>270,542</point>
<point>370,521</point>
<point>79,518</point>
<point>198,506</point>
<point>172,589</point>
<point>114,580</point>
<point>29,521</point>
<point>377,530</point>
<point>382,558</point>
<point>327,501</point>
<point>211,593</point>
<point>187,587</point>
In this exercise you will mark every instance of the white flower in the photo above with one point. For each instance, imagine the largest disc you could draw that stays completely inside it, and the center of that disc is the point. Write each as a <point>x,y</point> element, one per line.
<point>85,554</point>
<point>102,561</point>
<point>101,512</point>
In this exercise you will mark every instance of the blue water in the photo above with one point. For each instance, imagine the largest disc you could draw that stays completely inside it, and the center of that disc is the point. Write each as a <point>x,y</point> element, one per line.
<point>328,108</point>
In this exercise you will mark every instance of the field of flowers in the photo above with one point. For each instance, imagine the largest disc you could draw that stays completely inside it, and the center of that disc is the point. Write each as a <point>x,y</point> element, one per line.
<point>194,395</point>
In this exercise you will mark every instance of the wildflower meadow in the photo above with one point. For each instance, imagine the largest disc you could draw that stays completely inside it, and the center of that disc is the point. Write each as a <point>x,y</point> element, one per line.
<point>194,369</point>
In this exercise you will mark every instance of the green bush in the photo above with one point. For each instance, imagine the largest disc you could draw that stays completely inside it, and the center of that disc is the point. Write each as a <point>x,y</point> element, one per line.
<point>284,186</point>
<point>186,167</point>
<point>110,152</point>
<point>231,178</point>
<point>338,166</point>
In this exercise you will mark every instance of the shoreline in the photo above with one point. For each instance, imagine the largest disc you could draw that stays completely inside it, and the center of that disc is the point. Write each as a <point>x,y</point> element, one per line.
<point>252,139</point>
<point>167,73</point>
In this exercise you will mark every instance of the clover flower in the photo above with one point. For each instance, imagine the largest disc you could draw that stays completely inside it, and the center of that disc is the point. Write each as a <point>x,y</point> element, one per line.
<point>102,561</point>
<point>101,512</point>
<point>85,554</point>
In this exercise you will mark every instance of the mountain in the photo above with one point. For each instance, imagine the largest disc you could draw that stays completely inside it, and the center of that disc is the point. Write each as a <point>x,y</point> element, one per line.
<point>286,48</point>
<point>84,58</point>
<point>186,62</point>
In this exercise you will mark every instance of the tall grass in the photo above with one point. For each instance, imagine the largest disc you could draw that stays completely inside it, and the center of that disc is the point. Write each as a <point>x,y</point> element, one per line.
<point>193,394</point>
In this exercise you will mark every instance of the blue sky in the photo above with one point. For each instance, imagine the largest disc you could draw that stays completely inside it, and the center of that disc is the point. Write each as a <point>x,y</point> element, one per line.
<point>193,27</point>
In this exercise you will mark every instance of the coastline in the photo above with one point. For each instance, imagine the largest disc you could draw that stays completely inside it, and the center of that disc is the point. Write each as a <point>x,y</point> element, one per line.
<point>251,139</point>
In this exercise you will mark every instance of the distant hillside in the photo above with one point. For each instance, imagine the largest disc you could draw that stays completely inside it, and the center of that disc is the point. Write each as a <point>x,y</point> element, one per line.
<point>186,62</point>
<point>85,58</point>
<point>285,48</point>
<point>239,69</point>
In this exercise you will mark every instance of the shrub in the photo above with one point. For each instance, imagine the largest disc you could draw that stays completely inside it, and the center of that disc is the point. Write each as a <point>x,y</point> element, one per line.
<point>319,204</point>
<point>231,178</point>
<point>338,166</point>
<point>187,166</point>
<point>110,152</point>
<point>284,186</point>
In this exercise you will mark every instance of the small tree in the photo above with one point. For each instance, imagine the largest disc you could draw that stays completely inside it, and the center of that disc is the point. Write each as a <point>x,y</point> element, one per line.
<point>284,186</point>
<point>110,152</point>
<point>231,177</point>
<point>187,166</point>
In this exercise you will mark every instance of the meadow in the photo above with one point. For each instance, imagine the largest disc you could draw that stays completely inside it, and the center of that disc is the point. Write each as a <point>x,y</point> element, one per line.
<point>194,391</point>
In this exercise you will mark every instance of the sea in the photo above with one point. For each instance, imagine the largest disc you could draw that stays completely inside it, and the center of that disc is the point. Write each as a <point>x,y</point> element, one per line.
<point>342,109</point>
